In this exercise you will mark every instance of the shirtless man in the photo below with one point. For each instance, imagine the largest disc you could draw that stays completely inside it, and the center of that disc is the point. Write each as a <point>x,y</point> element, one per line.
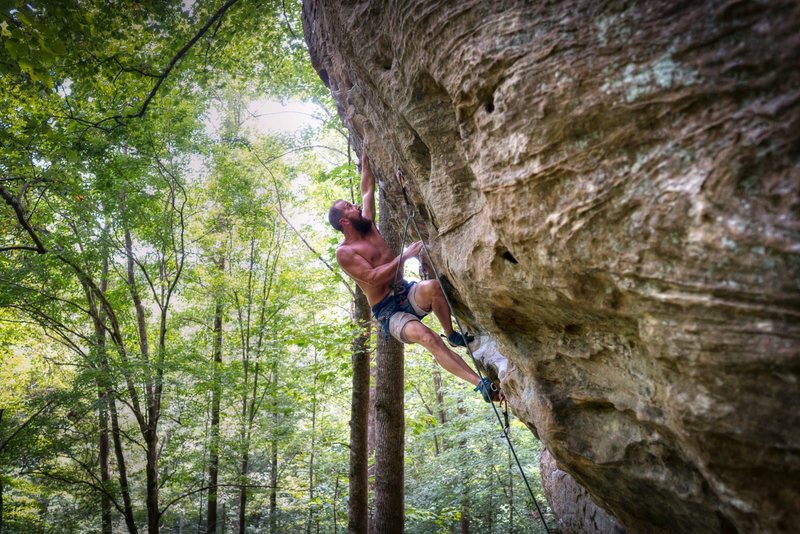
<point>397,305</point>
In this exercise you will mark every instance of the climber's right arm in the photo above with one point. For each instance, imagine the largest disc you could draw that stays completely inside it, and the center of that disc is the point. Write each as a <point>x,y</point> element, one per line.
<point>367,188</point>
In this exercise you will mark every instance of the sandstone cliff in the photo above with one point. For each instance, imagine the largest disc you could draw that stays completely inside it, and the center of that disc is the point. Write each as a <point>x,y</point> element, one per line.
<point>611,191</point>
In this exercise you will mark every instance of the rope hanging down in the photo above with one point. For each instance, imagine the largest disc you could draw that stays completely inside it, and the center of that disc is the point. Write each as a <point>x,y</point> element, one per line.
<point>412,218</point>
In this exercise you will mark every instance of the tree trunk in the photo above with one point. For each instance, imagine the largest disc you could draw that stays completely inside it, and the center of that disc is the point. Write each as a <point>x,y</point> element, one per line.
<point>273,488</point>
<point>335,498</point>
<point>213,464</point>
<point>440,413</point>
<point>371,426</point>
<point>150,429</point>
<point>105,385</point>
<point>1,504</point>
<point>244,422</point>
<point>201,495</point>
<point>102,415</point>
<point>250,407</point>
<point>358,508</point>
<point>105,469</point>
<point>311,507</point>
<point>273,471</point>
<point>389,418</point>
<point>153,515</point>
<point>490,509</point>
<point>122,469</point>
<point>243,469</point>
<point>462,445</point>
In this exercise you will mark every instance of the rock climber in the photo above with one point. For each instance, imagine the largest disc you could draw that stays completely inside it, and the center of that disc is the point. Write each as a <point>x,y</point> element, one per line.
<point>398,305</point>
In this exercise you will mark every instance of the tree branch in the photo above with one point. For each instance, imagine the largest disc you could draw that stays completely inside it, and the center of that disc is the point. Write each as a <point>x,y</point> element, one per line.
<point>204,488</point>
<point>13,202</point>
<point>305,147</point>
<point>20,247</point>
<point>295,230</point>
<point>93,486</point>
<point>182,52</point>
<point>286,18</point>
<point>115,331</point>
<point>160,78</point>
<point>23,425</point>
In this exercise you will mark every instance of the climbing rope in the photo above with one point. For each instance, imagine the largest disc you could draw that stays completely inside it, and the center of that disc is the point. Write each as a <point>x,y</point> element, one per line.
<point>505,427</point>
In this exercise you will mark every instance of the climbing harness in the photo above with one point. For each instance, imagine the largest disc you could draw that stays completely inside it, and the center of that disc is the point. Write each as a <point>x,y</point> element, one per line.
<point>505,427</point>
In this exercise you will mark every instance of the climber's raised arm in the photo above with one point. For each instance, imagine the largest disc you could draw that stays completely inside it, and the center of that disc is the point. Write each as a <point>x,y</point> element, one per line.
<point>367,188</point>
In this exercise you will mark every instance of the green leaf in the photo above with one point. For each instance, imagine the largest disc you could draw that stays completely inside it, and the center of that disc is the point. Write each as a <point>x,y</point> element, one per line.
<point>24,18</point>
<point>27,67</point>
<point>43,55</point>
<point>16,48</point>
<point>57,47</point>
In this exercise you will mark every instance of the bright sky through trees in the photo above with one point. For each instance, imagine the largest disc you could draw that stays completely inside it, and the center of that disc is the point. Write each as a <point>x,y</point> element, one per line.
<point>269,116</point>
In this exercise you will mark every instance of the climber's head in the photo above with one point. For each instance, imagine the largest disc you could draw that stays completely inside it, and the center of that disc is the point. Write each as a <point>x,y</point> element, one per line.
<point>343,214</point>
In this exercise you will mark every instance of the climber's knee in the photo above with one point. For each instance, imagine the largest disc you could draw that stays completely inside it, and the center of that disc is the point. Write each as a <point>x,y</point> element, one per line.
<point>416,332</point>
<point>399,326</point>
<point>430,291</point>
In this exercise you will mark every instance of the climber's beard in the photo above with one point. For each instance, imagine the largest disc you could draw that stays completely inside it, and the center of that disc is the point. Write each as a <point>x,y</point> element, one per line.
<point>362,225</point>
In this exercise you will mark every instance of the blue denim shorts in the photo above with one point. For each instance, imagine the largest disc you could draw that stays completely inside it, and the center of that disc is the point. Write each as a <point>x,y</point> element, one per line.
<point>397,309</point>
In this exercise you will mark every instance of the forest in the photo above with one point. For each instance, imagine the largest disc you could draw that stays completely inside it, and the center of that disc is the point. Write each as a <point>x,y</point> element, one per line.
<point>176,339</point>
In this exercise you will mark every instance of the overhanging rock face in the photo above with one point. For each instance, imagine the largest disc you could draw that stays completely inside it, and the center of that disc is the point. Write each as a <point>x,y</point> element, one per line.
<point>577,513</point>
<point>612,191</point>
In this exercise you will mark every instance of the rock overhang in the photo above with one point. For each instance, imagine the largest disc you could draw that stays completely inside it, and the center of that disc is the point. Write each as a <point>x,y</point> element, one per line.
<point>611,191</point>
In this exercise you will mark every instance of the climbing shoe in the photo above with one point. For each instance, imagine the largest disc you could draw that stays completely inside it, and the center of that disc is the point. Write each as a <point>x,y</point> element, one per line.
<point>488,390</point>
<point>457,340</point>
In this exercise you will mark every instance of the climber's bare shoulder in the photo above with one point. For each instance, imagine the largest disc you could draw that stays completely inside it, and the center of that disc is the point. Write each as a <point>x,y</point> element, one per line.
<point>359,259</point>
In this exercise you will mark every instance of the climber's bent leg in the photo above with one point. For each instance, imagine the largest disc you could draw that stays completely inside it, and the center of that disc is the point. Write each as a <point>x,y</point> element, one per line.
<point>428,296</point>
<point>416,332</point>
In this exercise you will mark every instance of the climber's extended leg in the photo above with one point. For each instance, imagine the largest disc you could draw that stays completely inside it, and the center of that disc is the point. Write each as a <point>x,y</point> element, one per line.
<point>416,332</point>
<point>429,296</point>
